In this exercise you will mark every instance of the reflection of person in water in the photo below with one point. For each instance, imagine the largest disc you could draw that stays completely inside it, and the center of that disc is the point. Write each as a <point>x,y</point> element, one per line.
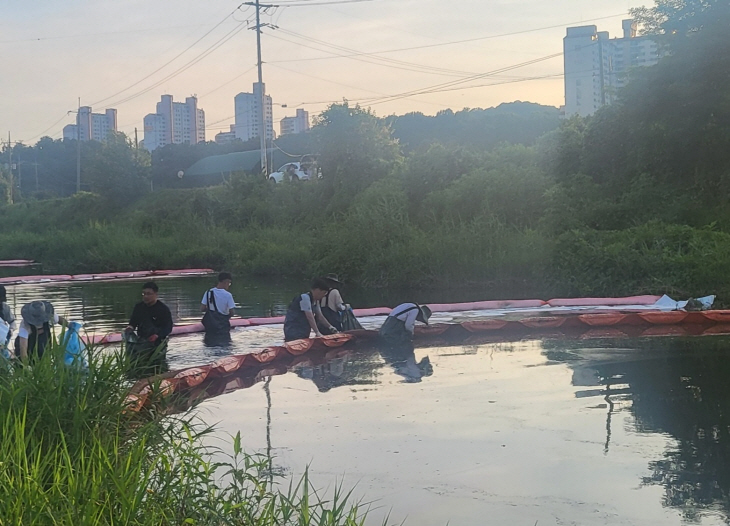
<point>402,359</point>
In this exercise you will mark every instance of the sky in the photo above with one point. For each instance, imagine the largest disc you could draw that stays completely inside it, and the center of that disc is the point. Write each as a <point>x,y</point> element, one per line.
<point>394,56</point>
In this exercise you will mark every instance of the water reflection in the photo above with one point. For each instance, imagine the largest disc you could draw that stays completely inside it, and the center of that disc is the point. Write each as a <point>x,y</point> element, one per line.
<point>402,359</point>
<point>677,387</point>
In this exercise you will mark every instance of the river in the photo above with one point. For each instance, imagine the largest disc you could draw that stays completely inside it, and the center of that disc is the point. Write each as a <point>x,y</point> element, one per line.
<point>538,431</point>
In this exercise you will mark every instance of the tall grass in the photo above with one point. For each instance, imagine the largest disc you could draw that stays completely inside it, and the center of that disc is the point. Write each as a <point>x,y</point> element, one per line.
<point>71,454</point>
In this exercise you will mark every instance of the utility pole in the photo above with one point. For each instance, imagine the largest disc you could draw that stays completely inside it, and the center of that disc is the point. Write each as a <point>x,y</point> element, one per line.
<point>78,148</point>
<point>262,120</point>
<point>10,165</point>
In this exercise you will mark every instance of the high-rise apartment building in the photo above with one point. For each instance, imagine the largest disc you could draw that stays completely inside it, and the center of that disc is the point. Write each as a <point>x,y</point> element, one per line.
<point>596,65</point>
<point>91,126</point>
<point>248,114</point>
<point>174,123</point>
<point>296,124</point>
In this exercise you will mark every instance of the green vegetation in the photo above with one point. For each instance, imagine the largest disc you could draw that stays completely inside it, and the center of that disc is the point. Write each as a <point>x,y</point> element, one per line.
<point>70,454</point>
<point>632,199</point>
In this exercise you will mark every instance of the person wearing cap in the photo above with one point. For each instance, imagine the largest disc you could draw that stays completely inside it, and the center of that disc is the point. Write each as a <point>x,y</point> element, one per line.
<point>35,328</point>
<point>401,322</point>
<point>304,313</point>
<point>6,314</point>
<point>332,305</point>
<point>219,302</point>
<point>151,318</point>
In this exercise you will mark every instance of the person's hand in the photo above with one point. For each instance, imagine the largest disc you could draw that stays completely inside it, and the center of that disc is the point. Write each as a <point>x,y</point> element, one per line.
<point>317,334</point>
<point>153,338</point>
<point>333,330</point>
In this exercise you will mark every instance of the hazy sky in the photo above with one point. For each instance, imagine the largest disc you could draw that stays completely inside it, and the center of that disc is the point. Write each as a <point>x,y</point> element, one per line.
<point>126,54</point>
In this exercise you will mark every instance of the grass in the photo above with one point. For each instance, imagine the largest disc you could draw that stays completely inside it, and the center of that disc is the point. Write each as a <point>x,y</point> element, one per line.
<point>71,454</point>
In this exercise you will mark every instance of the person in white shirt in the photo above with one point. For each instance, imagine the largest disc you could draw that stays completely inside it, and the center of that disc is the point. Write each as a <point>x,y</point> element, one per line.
<point>218,305</point>
<point>401,322</point>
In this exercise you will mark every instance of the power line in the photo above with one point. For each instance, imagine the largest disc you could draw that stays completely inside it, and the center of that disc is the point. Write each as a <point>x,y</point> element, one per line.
<point>228,82</point>
<point>169,61</point>
<point>186,66</point>
<point>374,59</point>
<point>438,87</point>
<point>476,39</point>
<point>88,35</point>
<point>65,116</point>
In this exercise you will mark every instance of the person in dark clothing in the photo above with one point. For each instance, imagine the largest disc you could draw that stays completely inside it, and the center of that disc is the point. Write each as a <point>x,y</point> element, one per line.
<point>332,305</point>
<point>304,313</point>
<point>151,318</point>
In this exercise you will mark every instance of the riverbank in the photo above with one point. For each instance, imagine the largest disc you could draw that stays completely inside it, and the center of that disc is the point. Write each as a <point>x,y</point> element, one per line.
<point>382,248</point>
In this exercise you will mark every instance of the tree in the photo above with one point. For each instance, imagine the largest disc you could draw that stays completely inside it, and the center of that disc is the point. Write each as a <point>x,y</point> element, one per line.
<point>117,170</point>
<point>356,149</point>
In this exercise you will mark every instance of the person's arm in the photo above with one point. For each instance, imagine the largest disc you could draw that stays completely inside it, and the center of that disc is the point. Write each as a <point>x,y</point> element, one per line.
<point>324,322</point>
<point>231,306</point>
<point>166,324</point>
<point>134,319</point>
<point>204,302</point>
<point>23,348</point>
<point>23,341</point>
<point>313,323</point>
<point>337,300</point>
<point>410,320</point>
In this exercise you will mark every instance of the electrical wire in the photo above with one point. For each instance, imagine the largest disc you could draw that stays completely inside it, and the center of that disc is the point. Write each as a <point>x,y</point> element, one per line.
<point>375,60</point>
<point>425,46</point>
<point>240,27</point>
<point>169,61</point>
<point>226,83</point>
<point>41,134</point>
<point>89,35</point>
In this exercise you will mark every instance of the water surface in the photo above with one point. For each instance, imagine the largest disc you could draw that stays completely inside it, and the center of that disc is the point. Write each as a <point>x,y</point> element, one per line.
<point>539,431</point>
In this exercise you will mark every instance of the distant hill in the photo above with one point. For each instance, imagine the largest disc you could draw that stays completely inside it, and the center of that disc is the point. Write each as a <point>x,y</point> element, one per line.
<point>512,122</point>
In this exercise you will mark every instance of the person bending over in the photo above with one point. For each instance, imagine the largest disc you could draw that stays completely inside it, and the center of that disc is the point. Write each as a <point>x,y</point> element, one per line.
<point>35,329</point>
<point>304,313</point>
<point>150,318</point>
<point>332,305</point>
<point>401,322</point>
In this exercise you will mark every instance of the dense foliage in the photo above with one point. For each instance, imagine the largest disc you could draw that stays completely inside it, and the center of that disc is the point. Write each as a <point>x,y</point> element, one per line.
<point>632,199</point>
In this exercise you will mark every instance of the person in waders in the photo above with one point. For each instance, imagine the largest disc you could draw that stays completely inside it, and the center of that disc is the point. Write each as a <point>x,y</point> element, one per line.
<point>396,341</point>
<point>304,313</point>
<point>332,305</point>
<point>218,306</point>
<point>35,330</point>
<point>401,322</point>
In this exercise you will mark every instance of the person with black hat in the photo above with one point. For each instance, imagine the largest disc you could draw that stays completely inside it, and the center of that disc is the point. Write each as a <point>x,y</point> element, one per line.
<point>401,322</point>
<point>35,329</point>
<point>332,305</point>
<point>304,314</point>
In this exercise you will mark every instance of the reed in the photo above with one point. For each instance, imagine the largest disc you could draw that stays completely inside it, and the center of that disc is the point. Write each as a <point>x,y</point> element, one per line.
<point>71,454</point>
